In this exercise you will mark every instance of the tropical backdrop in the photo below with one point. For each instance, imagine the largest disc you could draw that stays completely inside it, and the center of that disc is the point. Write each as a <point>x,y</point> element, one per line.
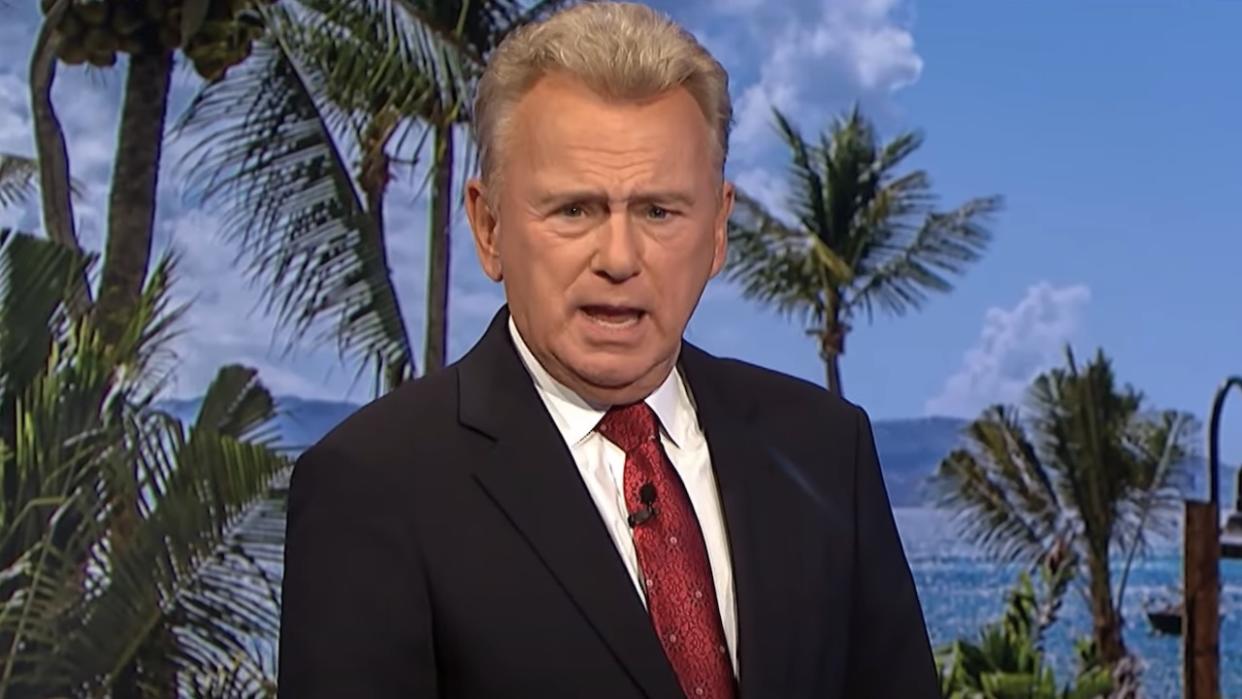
<point>1005,230</point>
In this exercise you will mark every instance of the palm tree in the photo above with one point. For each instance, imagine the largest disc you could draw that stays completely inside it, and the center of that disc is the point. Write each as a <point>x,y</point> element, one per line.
<point>137,554</point>
<point>1089,468</point>
<point>862,237</point>
<point>298,148</point>
<point>213,35</point>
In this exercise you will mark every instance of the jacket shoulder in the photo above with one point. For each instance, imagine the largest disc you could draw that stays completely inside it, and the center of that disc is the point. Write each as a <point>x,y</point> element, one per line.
<point>775,390</point>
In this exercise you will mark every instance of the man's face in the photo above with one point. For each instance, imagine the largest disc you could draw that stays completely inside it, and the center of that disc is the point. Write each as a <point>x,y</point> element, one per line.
<point>612,217</point>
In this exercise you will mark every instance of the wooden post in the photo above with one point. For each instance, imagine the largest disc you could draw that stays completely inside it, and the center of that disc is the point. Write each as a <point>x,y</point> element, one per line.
<point>1201,613</point>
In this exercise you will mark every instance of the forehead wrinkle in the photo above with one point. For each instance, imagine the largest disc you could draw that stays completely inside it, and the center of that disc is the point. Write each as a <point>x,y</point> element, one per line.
<point>594,175</point>
<point>662,169</point>
<point>610,155</point>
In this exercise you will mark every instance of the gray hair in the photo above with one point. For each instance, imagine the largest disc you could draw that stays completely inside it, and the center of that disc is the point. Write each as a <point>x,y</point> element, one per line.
<point>621,50</point>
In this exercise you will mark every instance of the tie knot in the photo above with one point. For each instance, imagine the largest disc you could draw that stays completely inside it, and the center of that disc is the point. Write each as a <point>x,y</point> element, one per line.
<point>628,426</point>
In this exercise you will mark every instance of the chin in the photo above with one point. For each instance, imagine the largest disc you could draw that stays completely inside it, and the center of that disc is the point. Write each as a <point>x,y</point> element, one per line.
<point>610,374</point>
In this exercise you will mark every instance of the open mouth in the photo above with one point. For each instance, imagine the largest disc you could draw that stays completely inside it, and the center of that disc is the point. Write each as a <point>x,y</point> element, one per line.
<point>614,316</point>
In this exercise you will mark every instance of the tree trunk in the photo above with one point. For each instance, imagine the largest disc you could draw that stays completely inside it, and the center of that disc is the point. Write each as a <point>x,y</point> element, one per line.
<point>831,347</point>
<point>374,188</point>
<point>53,156</point>
<point>438,245</point>
<point>374,178</point>
<point>135,180</point>
<point>833,364</point>
<point>1106,620</point>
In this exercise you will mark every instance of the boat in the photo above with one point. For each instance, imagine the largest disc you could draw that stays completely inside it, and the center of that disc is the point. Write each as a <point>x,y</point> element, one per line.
<point>1166,618</point>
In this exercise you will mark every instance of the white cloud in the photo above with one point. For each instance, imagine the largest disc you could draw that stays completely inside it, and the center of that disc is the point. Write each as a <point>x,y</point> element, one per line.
<point>225,322</point>
<point>1014,346</point>
<point>846,50</point>
<point>14,116</point>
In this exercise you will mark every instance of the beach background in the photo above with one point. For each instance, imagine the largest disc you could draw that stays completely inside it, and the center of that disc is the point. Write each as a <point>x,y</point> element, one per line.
<point>1103,136</point>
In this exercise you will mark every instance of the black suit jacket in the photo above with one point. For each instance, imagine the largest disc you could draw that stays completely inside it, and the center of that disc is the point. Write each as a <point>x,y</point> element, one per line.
<point>441,543</point>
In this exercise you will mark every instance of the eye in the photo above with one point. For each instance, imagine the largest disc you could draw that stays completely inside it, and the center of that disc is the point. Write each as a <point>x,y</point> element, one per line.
<point>658,213</point>
<point>573,211</point>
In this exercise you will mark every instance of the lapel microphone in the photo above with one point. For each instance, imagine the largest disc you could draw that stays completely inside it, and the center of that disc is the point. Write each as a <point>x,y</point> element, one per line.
<point>647,496</point>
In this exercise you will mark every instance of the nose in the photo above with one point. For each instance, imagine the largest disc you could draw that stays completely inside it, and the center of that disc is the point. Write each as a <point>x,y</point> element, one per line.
<point>617,254</point>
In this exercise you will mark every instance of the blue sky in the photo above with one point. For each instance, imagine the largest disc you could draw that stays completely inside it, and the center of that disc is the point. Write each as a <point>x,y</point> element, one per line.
<point>1109,128</point>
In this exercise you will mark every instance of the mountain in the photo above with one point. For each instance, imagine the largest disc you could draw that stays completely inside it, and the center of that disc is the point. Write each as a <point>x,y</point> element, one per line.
<point>299,422</point>
<point>910,449</point>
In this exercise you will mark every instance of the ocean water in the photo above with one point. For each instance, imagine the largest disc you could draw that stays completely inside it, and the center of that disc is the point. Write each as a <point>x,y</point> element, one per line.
<point>961,591</point>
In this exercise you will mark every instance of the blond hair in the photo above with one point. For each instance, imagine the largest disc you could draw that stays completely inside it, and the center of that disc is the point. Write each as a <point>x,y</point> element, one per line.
<point>620,50</point>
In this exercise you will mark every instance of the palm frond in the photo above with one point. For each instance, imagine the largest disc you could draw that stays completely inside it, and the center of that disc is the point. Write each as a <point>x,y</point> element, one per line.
<point>371,57</point>
<point>895,152</point>
<point>1002,493</point>
<point>944,245</point>
<point>236,405</point>
<point>472,28</point>
<point>132,552</point>
<point>35,275</point>
<point>18,174</point>
<point>846,155</point>
<point>1121,467</point>
<point>808,197</point>
<point>176,581</point>
<point>145,353</point>
<point>1160,447</point>
<point>778,265</point>
<point>1082,418</point>
<point>17,179</point>
<point>266,155</point>
<point>57,506</point>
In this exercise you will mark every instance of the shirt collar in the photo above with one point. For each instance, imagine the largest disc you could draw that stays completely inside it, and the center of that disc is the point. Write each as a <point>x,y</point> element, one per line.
<point>576,417</point>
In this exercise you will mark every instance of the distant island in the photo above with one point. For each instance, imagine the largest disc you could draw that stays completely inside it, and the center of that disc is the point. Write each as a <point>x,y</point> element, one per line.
<point>910,448</point>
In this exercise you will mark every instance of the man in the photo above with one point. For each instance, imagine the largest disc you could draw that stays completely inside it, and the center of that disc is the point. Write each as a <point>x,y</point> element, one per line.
<point>585,505</point>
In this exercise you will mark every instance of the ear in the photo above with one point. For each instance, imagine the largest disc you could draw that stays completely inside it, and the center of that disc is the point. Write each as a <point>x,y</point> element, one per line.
<point>485,224</point>
<point>720,234</point>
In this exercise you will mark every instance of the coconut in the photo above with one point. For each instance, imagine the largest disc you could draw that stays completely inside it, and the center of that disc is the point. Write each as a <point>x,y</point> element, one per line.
<point>210,70</point>
<point>155,9</point>
<point>99,40</point>
<point>93,12</point>
<point>127,19</point>
<point>71,53</point>
<point>170,36</point>
<point>129,44</point>
<point>103,59</point>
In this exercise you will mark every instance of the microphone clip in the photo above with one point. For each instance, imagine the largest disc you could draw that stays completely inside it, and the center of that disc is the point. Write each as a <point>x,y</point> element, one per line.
<point>647,496</point>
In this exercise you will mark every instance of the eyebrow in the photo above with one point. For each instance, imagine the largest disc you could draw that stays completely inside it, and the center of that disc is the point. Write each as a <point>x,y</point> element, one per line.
<point>596,196</point>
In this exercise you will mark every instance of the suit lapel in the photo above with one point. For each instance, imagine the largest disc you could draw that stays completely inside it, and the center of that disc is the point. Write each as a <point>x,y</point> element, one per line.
<point>757,520</point>
<point>532,477</point>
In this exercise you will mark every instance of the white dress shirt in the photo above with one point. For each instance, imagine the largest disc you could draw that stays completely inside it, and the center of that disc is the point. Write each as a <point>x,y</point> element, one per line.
<point>602,467</point>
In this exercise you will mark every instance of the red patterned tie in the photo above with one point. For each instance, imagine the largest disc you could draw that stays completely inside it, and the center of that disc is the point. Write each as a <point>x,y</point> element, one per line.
<point>681,597</point>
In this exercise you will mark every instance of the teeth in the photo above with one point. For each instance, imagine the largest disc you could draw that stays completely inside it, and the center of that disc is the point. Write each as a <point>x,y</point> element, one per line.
<point>613,318</point>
